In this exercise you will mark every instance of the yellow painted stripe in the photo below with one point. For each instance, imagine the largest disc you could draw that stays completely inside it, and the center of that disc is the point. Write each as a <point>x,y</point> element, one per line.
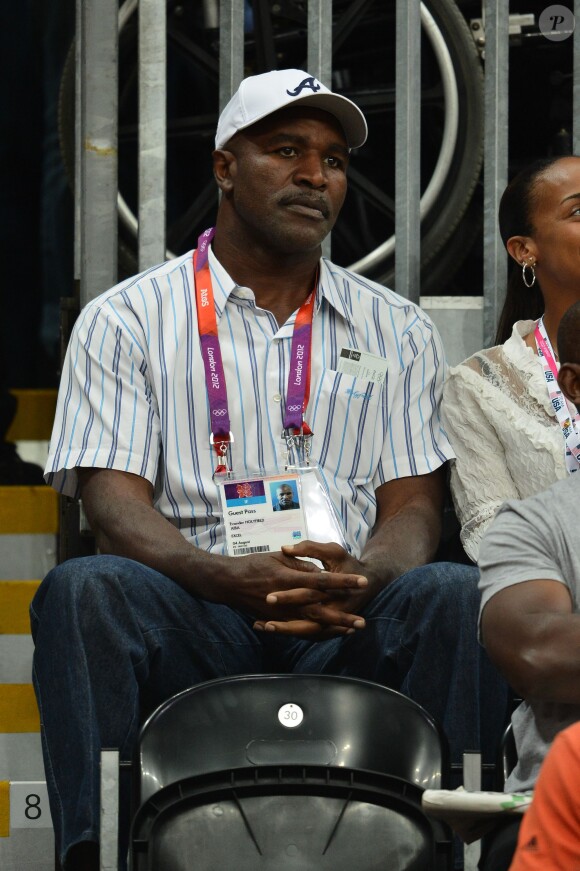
<point>34,415</point>
<point>15,597</point>
<point>27,510</point>
<point>18,708</point>
<point>4,808</point>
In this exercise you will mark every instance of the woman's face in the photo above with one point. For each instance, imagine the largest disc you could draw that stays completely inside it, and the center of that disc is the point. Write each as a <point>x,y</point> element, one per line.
<point>555,217</point>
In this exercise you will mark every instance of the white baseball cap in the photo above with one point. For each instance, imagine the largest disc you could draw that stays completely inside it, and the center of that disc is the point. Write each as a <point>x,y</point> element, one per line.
<point>259,96</point>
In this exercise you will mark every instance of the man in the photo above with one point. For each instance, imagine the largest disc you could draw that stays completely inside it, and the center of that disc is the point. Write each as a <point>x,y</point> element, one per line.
<point>530,623</point>
<point>189,373</point>
<point>285,498</point>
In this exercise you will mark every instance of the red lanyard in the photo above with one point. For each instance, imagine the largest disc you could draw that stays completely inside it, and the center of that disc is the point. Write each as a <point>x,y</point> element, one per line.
<point>215,380</point>
<point>298,391</point>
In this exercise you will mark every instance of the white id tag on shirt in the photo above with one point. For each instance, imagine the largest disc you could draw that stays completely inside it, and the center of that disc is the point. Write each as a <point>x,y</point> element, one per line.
<point>359,364</point>
<point>262,513</point>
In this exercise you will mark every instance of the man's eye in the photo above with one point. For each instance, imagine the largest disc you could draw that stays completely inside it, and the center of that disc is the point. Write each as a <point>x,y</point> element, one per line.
<point>334,162</point>
<point>288,151</point>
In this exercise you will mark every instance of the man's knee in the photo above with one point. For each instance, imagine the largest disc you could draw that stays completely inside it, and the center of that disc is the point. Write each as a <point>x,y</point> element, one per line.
<point>84,578</point>
<point>445,588</point>
<point>447,581</point>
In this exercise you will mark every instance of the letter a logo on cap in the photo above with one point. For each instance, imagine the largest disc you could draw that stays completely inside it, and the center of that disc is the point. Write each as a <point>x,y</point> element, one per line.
<point>305,83</point>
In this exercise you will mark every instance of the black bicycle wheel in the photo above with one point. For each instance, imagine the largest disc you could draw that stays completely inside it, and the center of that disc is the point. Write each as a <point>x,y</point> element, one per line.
<point>363,69</point>
<point>369,210</point>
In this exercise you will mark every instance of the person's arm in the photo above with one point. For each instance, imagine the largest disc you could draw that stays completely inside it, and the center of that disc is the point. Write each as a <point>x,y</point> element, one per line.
<point>119,507</point>
<point>405,535</point>
<point>527,623</point>
<point>533,637</point>
<point>480,479</point>
<point>407,529</point>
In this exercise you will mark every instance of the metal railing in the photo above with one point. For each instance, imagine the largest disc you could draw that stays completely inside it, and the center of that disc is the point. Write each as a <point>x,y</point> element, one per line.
<point>98,23</point>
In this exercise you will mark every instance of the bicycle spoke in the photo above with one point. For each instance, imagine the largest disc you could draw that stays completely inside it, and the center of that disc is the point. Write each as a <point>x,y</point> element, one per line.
<point>343,28</point>
<point>181,229</point>
<point>192,51</point>
<point>371,192</point>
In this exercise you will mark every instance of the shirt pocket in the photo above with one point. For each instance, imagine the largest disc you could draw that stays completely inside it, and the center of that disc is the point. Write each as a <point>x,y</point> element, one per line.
<point>348,421</point>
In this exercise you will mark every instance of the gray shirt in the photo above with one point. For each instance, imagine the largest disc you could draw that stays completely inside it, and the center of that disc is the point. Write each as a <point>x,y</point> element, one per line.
<point>537,538</point>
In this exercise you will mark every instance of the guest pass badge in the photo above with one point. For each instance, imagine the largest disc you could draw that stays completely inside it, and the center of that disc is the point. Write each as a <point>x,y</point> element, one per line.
<point>359,364</point>
<point>262,513</point>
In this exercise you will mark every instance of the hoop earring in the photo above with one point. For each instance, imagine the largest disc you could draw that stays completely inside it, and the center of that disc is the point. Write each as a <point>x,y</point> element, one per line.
<point>524,277</point>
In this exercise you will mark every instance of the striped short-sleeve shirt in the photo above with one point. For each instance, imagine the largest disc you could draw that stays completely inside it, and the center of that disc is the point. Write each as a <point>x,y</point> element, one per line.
<point>133,395</point>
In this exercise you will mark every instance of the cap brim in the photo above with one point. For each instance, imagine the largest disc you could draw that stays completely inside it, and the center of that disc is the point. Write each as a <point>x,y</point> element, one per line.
<point>347,113</point>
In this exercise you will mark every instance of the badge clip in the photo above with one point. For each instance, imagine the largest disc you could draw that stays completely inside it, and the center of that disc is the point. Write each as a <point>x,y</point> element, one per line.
<point>221,445</point>
<point>299,440</point>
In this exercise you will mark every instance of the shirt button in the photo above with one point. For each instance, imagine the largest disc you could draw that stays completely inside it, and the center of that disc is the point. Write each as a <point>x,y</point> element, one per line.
<point>277,397</point>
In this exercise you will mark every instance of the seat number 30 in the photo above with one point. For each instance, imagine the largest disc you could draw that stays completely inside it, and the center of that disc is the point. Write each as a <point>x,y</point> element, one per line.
<point>290,715</point>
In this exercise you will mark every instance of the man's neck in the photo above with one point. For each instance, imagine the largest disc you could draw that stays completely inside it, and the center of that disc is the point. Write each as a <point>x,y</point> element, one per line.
<point>280,283</point>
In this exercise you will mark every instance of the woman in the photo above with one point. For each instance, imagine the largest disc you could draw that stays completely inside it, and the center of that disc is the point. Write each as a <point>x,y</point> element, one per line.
<point>500,406</point>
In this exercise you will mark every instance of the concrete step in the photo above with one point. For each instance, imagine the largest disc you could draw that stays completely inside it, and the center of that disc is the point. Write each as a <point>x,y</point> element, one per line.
<point>29,519</point>
<point>34,415</point>
<point>26,510</point>
<point>26,835</point>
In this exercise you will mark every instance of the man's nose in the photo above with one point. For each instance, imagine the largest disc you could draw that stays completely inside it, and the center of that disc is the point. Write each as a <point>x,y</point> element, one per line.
<point>311,171</point>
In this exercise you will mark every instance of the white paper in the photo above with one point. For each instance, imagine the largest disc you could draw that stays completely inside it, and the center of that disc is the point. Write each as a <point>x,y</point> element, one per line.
<point>359,364</point>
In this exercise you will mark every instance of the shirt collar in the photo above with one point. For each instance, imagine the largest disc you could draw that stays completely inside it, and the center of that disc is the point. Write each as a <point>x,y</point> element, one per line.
<point>222,283</point>
<point>328,288</point>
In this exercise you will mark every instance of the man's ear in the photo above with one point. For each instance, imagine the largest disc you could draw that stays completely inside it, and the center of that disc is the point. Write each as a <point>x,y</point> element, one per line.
<point>522,249</point>
<point>224,169</point>
<point>569,381</point>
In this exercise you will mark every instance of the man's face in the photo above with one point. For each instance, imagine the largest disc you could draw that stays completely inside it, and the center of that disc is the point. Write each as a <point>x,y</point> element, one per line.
<point>288,179</point>
<point>284,494</point>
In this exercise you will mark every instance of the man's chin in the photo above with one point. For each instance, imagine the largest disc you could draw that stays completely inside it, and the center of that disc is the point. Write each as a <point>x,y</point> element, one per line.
<point>304,237</point>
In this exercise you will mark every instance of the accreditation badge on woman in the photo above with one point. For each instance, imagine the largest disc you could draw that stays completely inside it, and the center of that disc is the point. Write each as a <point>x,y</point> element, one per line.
<point>261,513</point>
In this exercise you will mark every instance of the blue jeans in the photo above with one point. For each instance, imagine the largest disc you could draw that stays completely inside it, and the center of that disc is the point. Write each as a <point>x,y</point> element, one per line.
<point>114,639</point>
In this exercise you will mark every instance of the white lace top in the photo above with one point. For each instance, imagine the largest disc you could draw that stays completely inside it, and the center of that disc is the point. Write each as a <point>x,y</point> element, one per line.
<point>501,425</point>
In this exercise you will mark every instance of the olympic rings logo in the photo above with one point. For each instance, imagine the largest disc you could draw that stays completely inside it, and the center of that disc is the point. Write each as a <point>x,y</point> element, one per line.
<point>219,412</point>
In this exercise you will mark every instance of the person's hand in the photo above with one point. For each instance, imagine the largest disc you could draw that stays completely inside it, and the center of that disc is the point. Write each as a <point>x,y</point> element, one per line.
<point>252,584</point>
<point>329,602</point>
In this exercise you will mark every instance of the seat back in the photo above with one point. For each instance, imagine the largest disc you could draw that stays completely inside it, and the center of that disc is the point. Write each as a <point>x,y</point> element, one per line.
<point>261,720</point>
<point>289,773</point>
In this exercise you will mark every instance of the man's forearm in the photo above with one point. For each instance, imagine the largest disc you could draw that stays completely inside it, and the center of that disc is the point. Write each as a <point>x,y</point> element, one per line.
<point>121,513</point>
<point>407,530</point>
<point>125,525</point>
<point>408,540</point>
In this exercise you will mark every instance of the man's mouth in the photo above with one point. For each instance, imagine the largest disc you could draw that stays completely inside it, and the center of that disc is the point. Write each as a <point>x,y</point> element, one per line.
<point>310,207</point>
